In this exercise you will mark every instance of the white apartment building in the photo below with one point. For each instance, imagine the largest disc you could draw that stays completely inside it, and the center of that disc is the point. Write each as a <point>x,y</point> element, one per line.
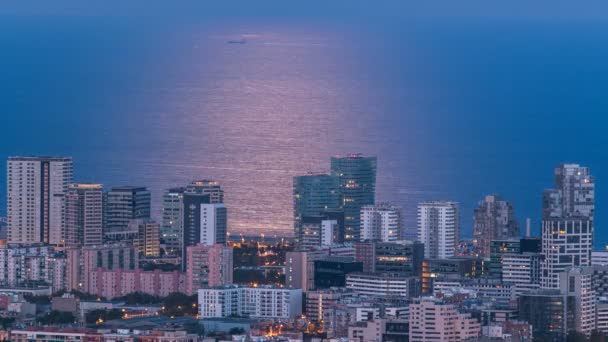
<point>36,188</point>
<point>599,258</point>
<point>213,224</point>
<point>382,285</point>
<point>254,302</point>
<point>381,222</point>
<point>438,228</point>
<point>522,271</point>
<point>32,263</point>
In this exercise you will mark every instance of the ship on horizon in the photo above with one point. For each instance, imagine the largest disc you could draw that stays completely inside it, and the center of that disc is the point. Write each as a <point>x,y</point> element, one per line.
<point>238,41</point>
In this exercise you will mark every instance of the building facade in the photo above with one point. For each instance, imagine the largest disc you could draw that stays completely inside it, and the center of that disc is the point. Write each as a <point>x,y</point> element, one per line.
<point>118,282</point>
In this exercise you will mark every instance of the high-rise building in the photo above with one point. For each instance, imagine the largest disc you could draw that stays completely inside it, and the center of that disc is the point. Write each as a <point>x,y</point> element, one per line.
<point>84,215</point>
<point>357,176</point>
<point>432,320</point>
<point>214,224</point>
<point>147,240</point>
<point>313,195</point>
<point>578,282</point>
<point>567,227</point>
<point>36,188</point>
<point>493,219</point>
<point>381,222</point>
<point>172,226</point>
<point>123,204</point>
<point>438,228</point>
<point>208,266</point>
<point>550,313</point>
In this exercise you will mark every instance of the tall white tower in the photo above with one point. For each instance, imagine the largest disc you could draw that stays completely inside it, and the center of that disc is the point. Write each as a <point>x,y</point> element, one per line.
<point>36,188</point>
<point>381,222</point>
<point>438,228</point>
<point>567,228</point>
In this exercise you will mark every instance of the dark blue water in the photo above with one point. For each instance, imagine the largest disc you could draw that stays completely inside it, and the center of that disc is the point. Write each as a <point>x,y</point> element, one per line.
<point>454,109</point>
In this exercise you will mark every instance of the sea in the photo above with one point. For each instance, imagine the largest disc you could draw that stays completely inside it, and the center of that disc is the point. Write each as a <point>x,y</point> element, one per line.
<point>455,108</point>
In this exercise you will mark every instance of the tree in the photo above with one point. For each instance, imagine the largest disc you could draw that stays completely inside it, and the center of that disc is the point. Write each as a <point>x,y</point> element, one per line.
<point>236,331</point>
<point>195,328</point>
<point>575,336</point>
<point>102,315</point>
<point>6,322</point>
<point>179,304</point>
<point>597,336</point>
<point>140,298</point>
<point>57,317</point>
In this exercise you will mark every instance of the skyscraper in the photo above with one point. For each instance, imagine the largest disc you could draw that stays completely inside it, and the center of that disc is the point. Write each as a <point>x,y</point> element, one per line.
<point>438,228</point>
<point>123,204</point>
<point>313,195</point>
<point>381,222</point>
<point>493,219</point>
<point>172,221</point>
<point>567,227</point>
<point>191,222</point>
<point>84,215</point>
<point>181,213</point>
<point>36,188</point>
<point>357,176</point>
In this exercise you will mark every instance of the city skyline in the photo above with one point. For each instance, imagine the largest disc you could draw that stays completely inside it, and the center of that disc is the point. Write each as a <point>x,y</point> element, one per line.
<point>330,171</point>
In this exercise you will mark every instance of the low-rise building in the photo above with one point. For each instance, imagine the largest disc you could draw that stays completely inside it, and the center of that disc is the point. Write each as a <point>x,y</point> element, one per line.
<point>384,285</point>
<point>254,302</point>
